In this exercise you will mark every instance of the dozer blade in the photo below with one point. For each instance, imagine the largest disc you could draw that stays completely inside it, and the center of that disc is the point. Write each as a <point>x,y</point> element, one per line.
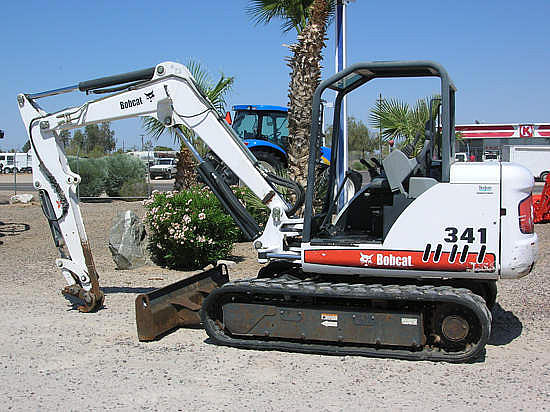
<point>176,305</point>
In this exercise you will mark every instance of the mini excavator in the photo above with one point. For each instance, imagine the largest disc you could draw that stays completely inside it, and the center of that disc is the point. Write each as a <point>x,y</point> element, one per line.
<point>405,268</point>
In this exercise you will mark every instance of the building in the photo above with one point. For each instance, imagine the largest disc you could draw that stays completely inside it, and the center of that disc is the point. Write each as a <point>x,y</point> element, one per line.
<point>488,141</point>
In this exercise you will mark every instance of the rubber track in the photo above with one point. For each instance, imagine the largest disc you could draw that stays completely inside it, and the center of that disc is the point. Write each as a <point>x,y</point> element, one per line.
<point>307,288</point>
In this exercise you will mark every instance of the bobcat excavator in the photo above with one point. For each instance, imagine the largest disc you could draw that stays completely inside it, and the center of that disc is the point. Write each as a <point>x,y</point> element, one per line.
<point>405,268</point>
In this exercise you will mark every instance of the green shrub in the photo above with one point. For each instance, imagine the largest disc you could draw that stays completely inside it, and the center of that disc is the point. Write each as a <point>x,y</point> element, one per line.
<point>253,205</point>
<point>134,188</point>
<point>123,168</point>
<point>188,229</point>
<point>93,173</point>
<point>357,165</point>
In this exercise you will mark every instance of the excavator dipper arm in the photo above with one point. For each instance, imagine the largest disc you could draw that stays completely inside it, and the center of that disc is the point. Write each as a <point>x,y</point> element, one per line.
<point>168,93</point>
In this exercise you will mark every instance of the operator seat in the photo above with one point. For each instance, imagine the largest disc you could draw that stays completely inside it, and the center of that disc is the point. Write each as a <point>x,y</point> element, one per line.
<point>399,168</point>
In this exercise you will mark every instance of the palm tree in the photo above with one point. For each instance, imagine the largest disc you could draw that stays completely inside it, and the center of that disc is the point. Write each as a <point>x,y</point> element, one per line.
<point>216,93</point>
<point>310,19</point>
<point>400,122</point>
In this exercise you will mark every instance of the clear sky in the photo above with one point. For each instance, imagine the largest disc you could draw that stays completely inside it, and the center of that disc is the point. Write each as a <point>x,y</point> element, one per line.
<point>497,52</point>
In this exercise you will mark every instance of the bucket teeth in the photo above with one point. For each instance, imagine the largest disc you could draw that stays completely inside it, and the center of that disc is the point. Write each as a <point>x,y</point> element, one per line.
<point>91,300</point>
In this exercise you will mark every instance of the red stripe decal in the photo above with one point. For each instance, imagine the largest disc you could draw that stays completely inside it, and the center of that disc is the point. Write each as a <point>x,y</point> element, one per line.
<point>399,259</point>
<point>482,127</point>
<point>481,135</point>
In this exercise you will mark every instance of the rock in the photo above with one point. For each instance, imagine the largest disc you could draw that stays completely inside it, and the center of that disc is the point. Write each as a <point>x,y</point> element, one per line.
<point>23,198</point>
<point>126,241</point>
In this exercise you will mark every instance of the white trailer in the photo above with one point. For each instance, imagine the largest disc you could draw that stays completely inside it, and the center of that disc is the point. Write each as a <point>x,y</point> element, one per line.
<point>152,157</point>
<point>9,162</point>
<point>534,158</point>
<point>23,162</point>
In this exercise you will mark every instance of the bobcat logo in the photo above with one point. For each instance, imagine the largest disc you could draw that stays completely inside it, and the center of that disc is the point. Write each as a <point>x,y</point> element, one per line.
<point>366,260</point>
<point>150,95</point>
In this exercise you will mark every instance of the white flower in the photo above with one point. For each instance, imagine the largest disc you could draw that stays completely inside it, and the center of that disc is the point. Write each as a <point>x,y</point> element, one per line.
<point>202,216</point>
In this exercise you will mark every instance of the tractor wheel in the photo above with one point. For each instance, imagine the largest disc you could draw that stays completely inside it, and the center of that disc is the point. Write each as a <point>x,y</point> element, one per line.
<point>269,160</point>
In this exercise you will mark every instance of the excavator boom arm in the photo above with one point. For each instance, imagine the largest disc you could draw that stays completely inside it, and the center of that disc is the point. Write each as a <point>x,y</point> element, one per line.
<point>168,93</point>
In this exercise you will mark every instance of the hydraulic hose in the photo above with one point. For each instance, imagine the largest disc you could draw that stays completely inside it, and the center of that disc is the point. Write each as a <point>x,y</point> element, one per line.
<point>292,185</point>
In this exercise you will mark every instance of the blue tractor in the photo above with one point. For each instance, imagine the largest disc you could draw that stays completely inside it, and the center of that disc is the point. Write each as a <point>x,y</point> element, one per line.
<point>264,130</point>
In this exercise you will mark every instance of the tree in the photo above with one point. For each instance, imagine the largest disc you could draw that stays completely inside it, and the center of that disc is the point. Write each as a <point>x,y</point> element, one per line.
<point>400,122</point>
<point>94,141</point>
<point>216,93</point>
<point>26,147</point>
<point>359,137</point>
<point>310,20</point>
<point>162,149</point>
<point>65,137</point>
<point>100,136</point>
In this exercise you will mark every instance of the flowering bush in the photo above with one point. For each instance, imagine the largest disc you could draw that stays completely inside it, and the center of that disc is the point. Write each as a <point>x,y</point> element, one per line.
<point>188,229</point>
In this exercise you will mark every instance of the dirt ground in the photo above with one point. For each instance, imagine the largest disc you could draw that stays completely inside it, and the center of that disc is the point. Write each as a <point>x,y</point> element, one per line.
<point>54,357</point>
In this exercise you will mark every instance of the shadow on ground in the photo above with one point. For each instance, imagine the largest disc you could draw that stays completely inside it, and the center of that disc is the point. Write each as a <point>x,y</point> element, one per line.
<point>75,302</point>
<point>505,327</point>
<point>12,229</point>
<point>123,289</point>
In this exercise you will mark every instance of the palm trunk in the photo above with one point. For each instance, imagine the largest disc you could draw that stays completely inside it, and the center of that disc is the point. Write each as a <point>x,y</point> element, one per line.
<point>305,76</point>
<point>185,170</point>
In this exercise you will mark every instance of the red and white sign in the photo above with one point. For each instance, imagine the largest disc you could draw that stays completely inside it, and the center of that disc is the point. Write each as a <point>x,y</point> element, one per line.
<point>513,130</point>
<point>526,130</point>
<point>400,259</point>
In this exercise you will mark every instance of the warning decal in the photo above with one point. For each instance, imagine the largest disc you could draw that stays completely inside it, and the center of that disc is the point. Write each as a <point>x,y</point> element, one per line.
<point>329,319</point>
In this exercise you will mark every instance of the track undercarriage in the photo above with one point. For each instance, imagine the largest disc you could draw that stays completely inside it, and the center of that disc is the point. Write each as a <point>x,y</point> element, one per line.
<point>415,322</point>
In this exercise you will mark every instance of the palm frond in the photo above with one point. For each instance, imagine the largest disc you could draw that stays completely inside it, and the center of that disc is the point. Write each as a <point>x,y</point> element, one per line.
<point>216,93</point>
<point>392,117</point>
<point>294,14</point>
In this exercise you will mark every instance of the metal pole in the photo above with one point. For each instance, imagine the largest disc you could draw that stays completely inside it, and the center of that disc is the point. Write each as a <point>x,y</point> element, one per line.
<point>340,48</point>
<point>78,171</point>
<point>15,176</point>
<point>380,101</point>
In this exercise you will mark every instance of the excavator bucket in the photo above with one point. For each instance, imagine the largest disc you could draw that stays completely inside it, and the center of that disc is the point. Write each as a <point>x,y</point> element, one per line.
<point>176,305</point>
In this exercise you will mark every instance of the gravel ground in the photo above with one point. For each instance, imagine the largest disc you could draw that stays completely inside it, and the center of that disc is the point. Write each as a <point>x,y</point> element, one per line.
<point>54,357</point>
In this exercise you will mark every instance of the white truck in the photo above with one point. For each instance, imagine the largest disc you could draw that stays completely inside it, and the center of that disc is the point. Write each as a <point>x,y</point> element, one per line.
<point>534,158</point>
<point>152,157</point>
<point>164,168</point>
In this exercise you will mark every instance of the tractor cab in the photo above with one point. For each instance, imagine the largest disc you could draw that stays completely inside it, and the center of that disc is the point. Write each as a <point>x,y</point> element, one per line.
<point>396,182</point>
<point>264,130</point>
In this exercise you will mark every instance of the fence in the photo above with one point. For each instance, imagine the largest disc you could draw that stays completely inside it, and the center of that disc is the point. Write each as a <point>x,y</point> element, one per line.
<point>18,183</point>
